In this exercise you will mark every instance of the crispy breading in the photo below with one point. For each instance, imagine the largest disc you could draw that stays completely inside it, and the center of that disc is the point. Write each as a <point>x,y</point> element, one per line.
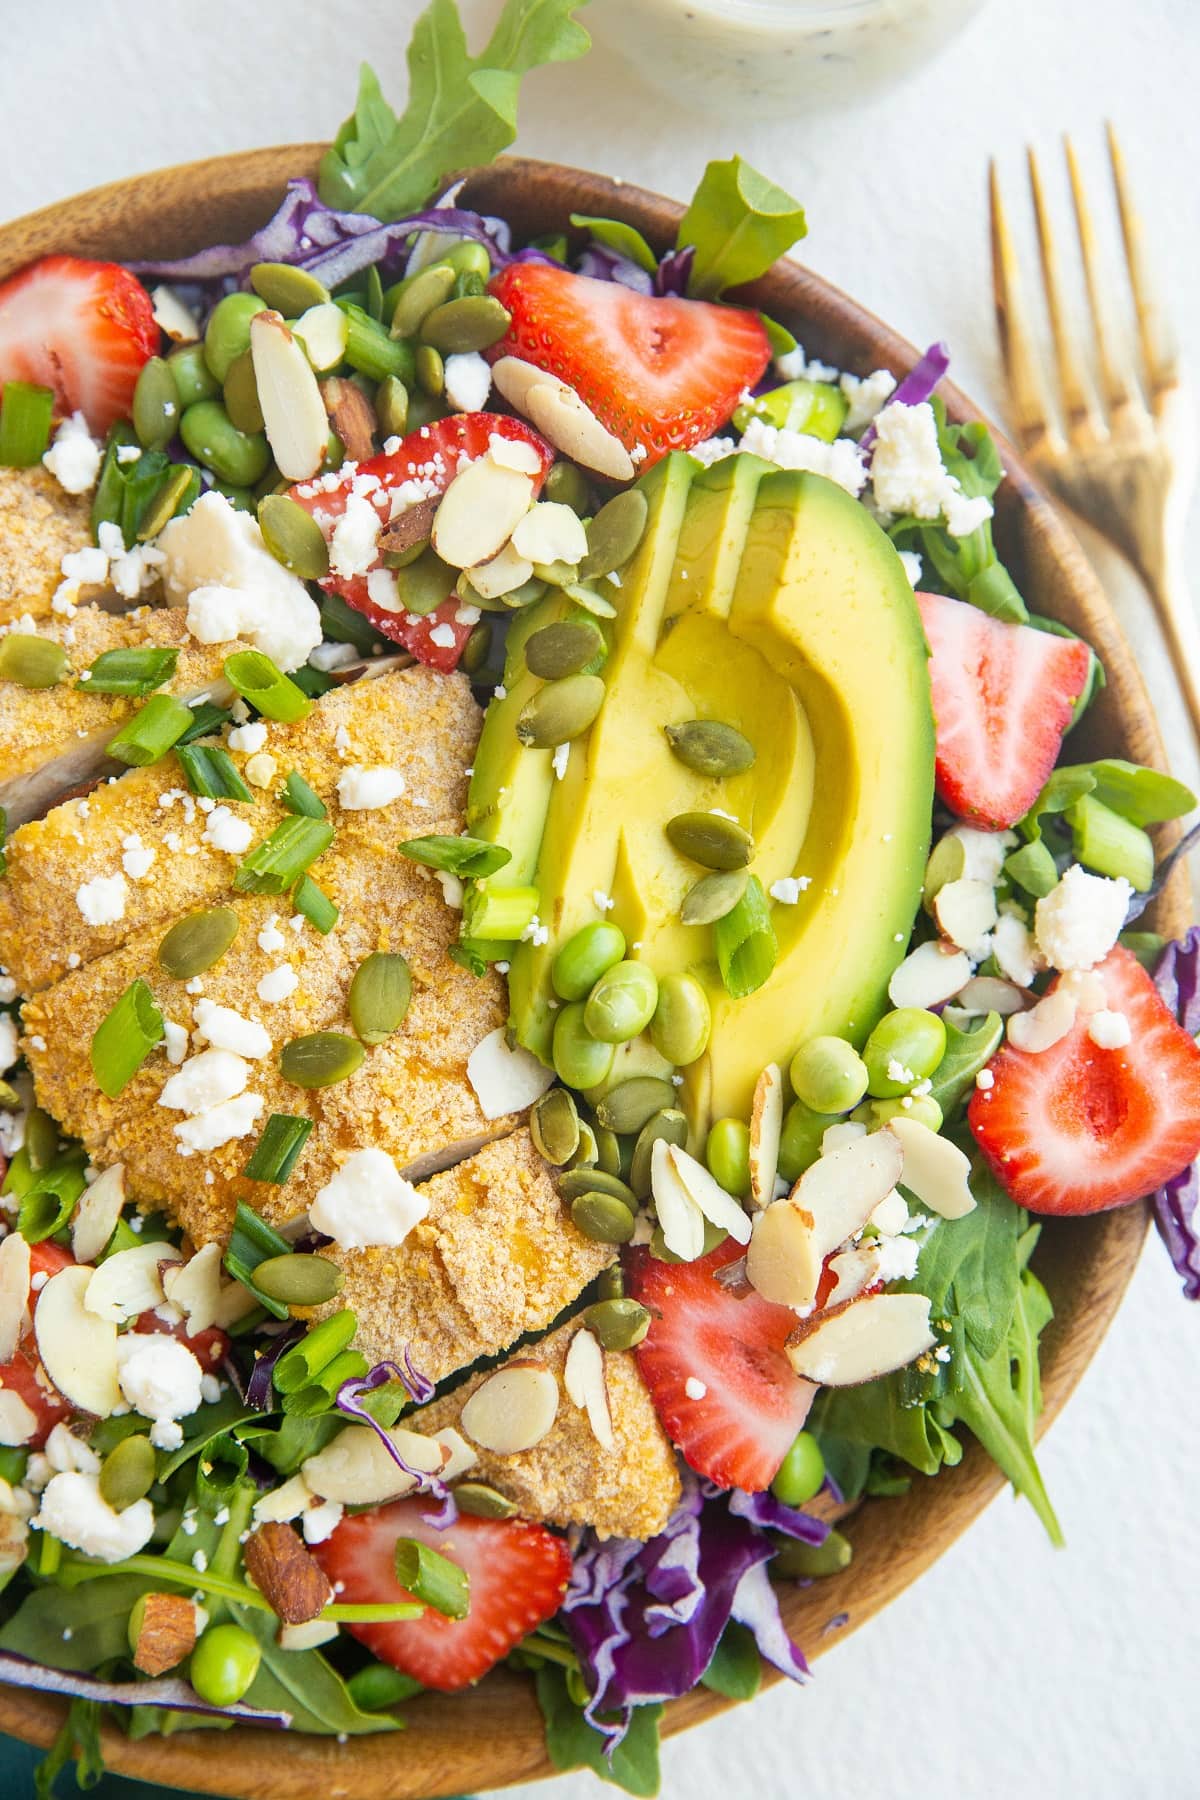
<point>40,523</point>
<point>495,1256</point>
<point>52,739</point>
<point>569,1478</point>
<point>425,725</point>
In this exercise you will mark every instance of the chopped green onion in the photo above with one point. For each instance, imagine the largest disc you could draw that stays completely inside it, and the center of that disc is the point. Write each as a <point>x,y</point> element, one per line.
<point>314,903</point>
<point>370,350</point>
<point>25,415</point>
<point>500,913</point>
<point>745,942</point>
<point>476,954</point>
<point>312,682</point>
<point>212,773</point>
<point>252,1241</point>
<point>341,623</point>
<point>1109,844</point>
<point>321,1392</point>
<point>41,1139</point>
<point>46,1207</point>
<point>207,720</point>
<point>300,1366</point>
<point>153,730</point>
<point>124,1039</point>
<point>463,856</point>
<point>281,859</point>
<point>134,672</point>
<point>30,661</point>
<point>431,1577</point>
<point>266,688</point>
<point>279,1148</point>
<point>300,799</point>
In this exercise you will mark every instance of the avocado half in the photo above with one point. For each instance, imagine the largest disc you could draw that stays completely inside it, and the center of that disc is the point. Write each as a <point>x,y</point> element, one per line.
<point>770,600</point>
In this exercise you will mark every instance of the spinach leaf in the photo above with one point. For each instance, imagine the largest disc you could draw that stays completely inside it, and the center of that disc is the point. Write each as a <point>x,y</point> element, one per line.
<point>96,1614</point>
<point>735,1669</point>
<point>572,1744</point>
<point>303,1683</point>
<point>619,237</point>
<point>461,110</point>
<point>966,1053</point>
<point>884,1415</point>
<point>1140,795</point>
<point>738,223</point>
<point>200,1430</point>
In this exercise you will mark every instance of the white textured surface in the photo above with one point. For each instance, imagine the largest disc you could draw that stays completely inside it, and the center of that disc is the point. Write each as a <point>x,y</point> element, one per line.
<point>1010,1668</point>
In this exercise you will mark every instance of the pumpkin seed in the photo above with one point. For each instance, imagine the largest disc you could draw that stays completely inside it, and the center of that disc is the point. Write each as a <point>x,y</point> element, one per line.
<point>418,296</point>
<point>568,486</point>
<point>602,1218</point>
<point>554,1126</point>
<point>379,996</point>
<point>476,649</point>
<point>473,323</point>
<point>610,1283</point>
<point>286,289</point>
<point>391,406</point>
<point>196,942</point>
<point>41,1139</point>
<point>128,1472</point>
<point>320,1059</point>
<point>710,839</point>
<point>430,371</point>
<point>713,896</point>
<point>156,409</point>
<point>556,574</point>
<point>586,1153</point>
<point>517,598</point>
<point>599,605</point>
<point>608,1150</point>
<point>32,662</point>
<point>240,394</point>
<point>671,1127</point>
<point>713,1235</point>
<point>708,746</point>
<point>560,711</point>
<point>618,1323</point>
<point>298,1280</point>
<point>480,1500</point>
<point>628,1107</point>
<point>293,536</point>
<point>166,501</point>
<point>615,533</point>
<point>595,1181</point>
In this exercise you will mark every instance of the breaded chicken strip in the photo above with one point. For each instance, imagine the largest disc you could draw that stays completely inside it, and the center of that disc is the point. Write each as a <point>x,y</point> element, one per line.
<point>40,523</point>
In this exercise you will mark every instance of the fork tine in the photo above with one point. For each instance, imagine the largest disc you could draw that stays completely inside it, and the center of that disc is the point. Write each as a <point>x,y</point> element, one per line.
<point>1159,354</point>
<point>1114,386</point>
<point>1077,401</point>
<point>1030,412</point>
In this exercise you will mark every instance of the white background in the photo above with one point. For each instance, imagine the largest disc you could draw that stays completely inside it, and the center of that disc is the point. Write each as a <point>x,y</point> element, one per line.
<point>1010,1668</point>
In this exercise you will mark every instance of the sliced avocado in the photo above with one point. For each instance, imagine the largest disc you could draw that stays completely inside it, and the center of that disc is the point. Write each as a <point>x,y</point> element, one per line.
<point>814,407</point>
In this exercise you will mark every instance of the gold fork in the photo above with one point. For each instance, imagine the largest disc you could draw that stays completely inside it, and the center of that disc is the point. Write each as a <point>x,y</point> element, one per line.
<point>1124,454</point>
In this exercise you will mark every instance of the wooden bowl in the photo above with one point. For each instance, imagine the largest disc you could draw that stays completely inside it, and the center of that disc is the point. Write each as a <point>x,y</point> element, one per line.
<point>456,1744</point>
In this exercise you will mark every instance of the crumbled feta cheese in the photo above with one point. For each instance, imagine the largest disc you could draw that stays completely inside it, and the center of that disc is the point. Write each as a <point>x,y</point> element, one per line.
<point>137,859</point>
<point>216,563</point>
<point>713,450</point>
<point>535,932</point>
<point>985,1081</point>
<point>452,887</point>
<point>897,1072</point>
<point>9,1044</point>
<point>270,938</point>
<point>74,1511</point>
<point>1078,922</point>
<point>364,790</point>
<point>320,1522</point>
<point>250,738</point>
<point>694,1388</point>
<point>226,1029</point>
<point>897,1259</point>
<point>912,566</point>
<point>367,1203</point>
<point>603,903</point>
<point>226,830</point>
<point>560,759</point>
<point>74,457</point>
<point>468,381</point>
<point>865,396</point>
<point>382,590</point>
<point>102,899</point>
<point>260,770</point>
<point>443,636</point>
<point>87,565</point>
<point>1015,952</point>
<point>908,475</point>
<point>1109,1030</point>
<point>788,889</point>
<point>354,545</point>
<point>841,461</point>
<point>505,1079</point>
<point>220,1124</point>
<point>278,983</point>
<point>205,1081</point>
<point>161,1379</point>
<point>63,1450</point>
<point>793,365</point>
<point>327,657</point>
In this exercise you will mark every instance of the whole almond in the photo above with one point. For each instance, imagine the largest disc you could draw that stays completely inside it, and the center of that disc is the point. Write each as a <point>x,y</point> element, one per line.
<point>352,417</point>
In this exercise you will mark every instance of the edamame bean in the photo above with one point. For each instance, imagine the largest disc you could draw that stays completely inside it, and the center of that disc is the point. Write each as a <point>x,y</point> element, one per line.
<point>585,957</point>
<point>800,1140</point>
<point>797,1561</point>
<point>829,1075</point>
<point>227,334</point>
<point>156,407</point>
<point>194,380</point>
<point>214,440</point>
<point>801,1473</point>
<point>682,1020</point>
<point>727,1154</point>
<point>580,1060</point>
<point>922,1108</point>
<point>622,1003</point>
<point>905,1047</point>
<point>225,1661</point>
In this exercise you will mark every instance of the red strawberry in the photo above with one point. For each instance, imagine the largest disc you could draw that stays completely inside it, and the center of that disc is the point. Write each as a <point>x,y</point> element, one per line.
<point>1002,699</point>
<point>518,1574</point>
<point>431,457</point>
<point>210,1346</point>
<point>81,328</point>
<point>1077,1129</point>
<point>738,1431</point>
<point>659,372</point>
<point>24,1374</point>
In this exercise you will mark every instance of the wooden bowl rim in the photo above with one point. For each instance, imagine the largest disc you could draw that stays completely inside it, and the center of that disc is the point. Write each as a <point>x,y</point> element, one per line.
<point>493,1738</point>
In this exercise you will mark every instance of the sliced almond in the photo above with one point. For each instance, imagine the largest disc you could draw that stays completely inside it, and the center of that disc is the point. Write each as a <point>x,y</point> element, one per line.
<point>1086,988</point>
<point>718,1207</point>
<point>173,318</point>
<point>832,1200</point>
<point>459,1454</point>
<point>584,1380</point>
<point>987,993</point>
<point>18,1422</point>
<point>129,1283</point>
<point>516,379</point>
<point>866,1338</point>
<point>293,412</point>
<point>1016,953</point>
<point>928,975</point>
<point>14,1292</point>
<point>506,571</point>
<point>282,1504</point>
<point>78,1349</point>
<point>479,512</point>
<point>286,1574</point>
<point>782,1263</point>
<point>95,1220</point>
<point>680,1218</point>
<point>323,331</point>
<point>195,1287</point>
<point>408,528</point>
<point>983,852</point>
<point>167,1633</point>
<point>309,1636</point>
<point>355,1468</point>
<point>966,911</point>
<point>766,1125</point>
<point>351,415</point>
<point>854,1270</point>
<point>513,1409</point>
<point>891,1215</point>
<point>573,428</point>
<point>935,1170</point>
<point>551,532</point>
<point>1045,1024</point>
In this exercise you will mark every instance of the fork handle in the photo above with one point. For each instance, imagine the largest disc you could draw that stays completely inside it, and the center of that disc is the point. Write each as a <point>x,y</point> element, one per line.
<point>1172,599</point>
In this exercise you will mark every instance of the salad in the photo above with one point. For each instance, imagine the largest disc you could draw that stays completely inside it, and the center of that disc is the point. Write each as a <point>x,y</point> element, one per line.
<point>555,953</point>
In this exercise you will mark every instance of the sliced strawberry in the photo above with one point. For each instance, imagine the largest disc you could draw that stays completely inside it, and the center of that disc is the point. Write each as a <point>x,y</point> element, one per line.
<point>430,458</point>
<point>210,1347</point>
<point>1002,699</point>
<point>660,373</point>
<point>738,1430</point>
<point>82,328</point>
<point>1078,1129</point>
<point>24,1374</point>
<point>518,1574</point>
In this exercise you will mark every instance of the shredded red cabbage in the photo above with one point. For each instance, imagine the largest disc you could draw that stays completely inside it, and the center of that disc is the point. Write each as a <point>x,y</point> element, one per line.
<point>1177,1202</point>
<point>603,264</point>
<point>674,271</point>
<point>419,1389</point>
<point>258,1390</point>
<point>169,1691</point>
<point>916,387</point>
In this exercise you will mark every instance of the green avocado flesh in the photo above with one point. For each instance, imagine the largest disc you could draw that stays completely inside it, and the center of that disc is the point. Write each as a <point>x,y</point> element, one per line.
<point>771,601</point>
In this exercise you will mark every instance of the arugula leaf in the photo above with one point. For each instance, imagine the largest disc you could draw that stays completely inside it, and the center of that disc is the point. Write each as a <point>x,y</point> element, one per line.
<point>735,1669</point>
<point>1140,795</point>
<point>461,110</point>
<point>622,238</point>
<point>303,1683</point>
<point>738,223</point>
<point>571,1742</point>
